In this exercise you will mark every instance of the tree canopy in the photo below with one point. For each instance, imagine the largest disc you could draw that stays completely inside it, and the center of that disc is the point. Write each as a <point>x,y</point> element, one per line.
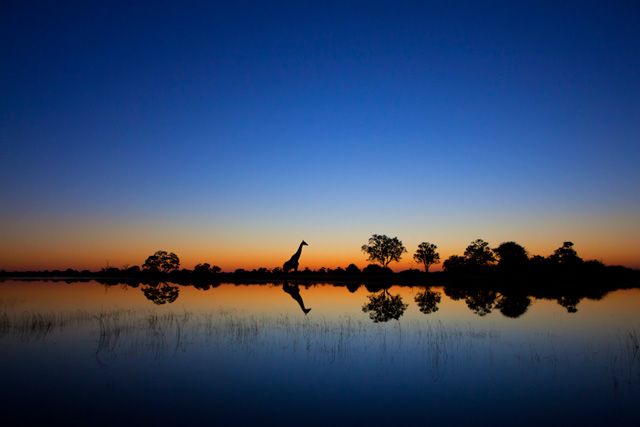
<point>427,255</point>
<point>478,253</point>
<point>566,255</point>
<point>162,262</point>
<point>454,263</point>
<point>383,249</point>
<point>511,256</point>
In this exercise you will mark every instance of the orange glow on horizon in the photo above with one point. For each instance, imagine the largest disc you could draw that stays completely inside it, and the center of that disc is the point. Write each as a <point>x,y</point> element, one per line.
<point>44,260</point>
<point>31,244</point>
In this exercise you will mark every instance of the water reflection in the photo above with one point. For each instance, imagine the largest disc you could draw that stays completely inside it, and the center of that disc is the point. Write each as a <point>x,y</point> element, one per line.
<point>483,301</point>
<point>514,305</point>
<point>205,285</point>
<point>160,293</point>
<point>428,301</point>
<point>570,302</point>
<point>383,306</point>
<point>118,348</point>
<point>479,300</point>
<point>294,290</point>
<point>512,300</point>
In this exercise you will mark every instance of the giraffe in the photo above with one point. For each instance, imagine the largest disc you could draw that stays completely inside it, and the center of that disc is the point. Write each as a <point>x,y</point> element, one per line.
<point>292,264</point>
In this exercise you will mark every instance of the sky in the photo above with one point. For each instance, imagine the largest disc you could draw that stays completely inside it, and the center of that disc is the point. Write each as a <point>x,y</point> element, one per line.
<point>227,132</point>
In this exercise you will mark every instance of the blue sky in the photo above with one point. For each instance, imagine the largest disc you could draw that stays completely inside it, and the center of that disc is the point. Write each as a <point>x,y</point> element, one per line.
<point>320,118</point>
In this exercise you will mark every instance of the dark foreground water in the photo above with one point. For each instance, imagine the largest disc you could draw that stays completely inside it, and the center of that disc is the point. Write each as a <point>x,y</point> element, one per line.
<point>83,353</point>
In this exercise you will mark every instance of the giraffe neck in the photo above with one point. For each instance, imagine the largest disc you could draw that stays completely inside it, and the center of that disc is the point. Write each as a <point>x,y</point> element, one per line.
<point>299,252</point>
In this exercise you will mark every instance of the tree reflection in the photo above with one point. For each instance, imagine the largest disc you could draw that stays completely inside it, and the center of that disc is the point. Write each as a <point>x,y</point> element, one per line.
<point>204,284</point>
<point>383,307</point>
<point>481,301</point>
<point>513,305</point>
<point>160,293</point>
<point>570,302</point>
<point>428,301</point>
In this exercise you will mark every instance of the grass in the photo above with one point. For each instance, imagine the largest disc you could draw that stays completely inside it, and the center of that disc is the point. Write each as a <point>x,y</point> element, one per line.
<point>34,326</point>
<point>433,346</point>
<point>159,334</point>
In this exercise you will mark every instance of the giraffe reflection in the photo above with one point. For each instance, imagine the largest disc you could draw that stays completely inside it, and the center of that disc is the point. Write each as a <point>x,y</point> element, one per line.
<point>383,307</point>
<point>294,291</point>
<point>160,293</point>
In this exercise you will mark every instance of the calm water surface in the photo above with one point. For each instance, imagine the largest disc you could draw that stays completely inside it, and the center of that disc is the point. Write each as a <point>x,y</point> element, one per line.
<point>83,353</point>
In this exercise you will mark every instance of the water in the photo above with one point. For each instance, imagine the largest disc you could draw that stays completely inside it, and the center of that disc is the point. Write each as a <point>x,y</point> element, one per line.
<point>80,353</point>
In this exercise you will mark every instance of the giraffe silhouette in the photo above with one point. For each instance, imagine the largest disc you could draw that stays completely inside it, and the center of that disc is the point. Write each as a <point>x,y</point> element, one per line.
<point>294,291</point>
<point>292,264</point>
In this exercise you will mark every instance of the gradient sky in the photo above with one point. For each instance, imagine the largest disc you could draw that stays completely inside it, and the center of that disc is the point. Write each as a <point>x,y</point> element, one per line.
<point>229,132</point>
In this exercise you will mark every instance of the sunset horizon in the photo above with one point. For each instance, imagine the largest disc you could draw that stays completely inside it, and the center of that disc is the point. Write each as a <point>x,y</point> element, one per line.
<point>249,256</point>
<point>230,141</point>
<point>344,213</point>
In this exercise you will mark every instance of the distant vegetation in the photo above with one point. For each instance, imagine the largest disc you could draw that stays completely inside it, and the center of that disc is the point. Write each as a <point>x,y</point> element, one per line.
<point>504,278</point>
<point>508,264</point>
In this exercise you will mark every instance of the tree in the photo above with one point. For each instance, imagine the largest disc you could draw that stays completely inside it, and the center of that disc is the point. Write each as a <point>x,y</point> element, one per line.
<point>162,262</point>
<point>511,256</point>
<point>202,269</point>
<point>383,249</point>
<point>455,263</point>
<point>566,255</point>
<point>478,253</point>
<point>374,270</point>
<point>352,270</point>
<point>538,261</point>
<point>427,255</point>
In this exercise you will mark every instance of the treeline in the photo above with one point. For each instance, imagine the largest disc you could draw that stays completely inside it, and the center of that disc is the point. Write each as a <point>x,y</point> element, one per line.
<point>480,263</point>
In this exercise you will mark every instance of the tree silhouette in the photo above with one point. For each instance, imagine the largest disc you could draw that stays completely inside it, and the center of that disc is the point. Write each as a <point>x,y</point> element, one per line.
<point>454,263</point>
<point>511,256</point>
<point>162,293</point>
<point>538,262</point>
<point>428,301</point>
<point>383,307</point>
<point>478,253</point>
<point>202,269</point>
<point>162,262</point>
<point>427,255</point>
<point>565,255</point>
<point>375,269</point>
<point>352,269</point>
<point>383,249</point>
